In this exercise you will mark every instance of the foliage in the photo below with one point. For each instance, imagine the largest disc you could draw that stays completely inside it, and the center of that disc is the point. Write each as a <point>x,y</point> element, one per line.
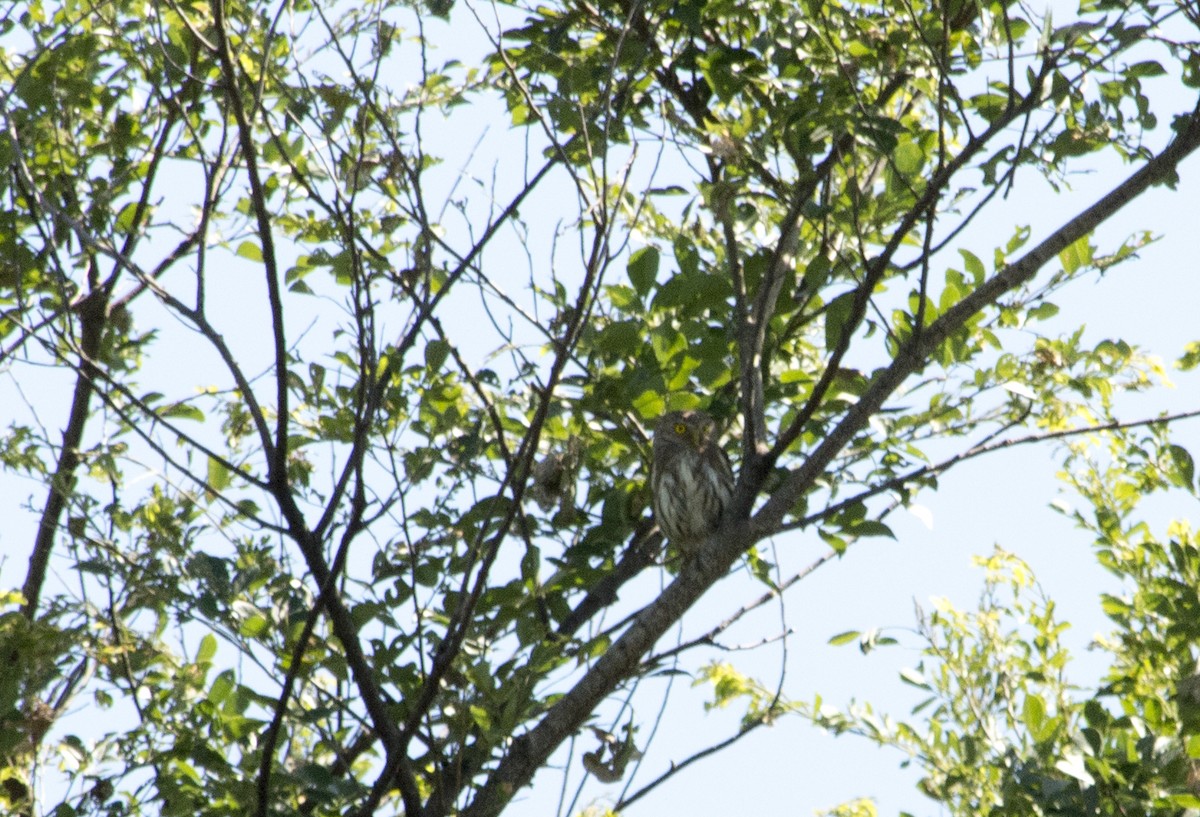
<point>1003,730</point>
<point>331,413</point>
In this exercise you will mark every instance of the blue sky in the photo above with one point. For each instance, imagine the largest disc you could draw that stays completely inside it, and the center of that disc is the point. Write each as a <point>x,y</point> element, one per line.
<point>1003,499</point>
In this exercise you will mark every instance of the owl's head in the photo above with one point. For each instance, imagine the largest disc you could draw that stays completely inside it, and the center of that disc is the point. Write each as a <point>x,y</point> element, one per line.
<point>691,428</point>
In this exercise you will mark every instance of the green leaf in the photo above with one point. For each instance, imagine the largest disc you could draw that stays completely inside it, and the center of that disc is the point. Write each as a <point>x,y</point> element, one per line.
<point>1078,255</point>
<point>760,568</point>
<point>837,316</point>
<point>1114,607</point>
<point>183,411</point>
<point>531,563</point>
<point>1190,358</point>
<point>844,638</point>
<point>1042,311</point>
<point>482,718</point>
<point>909,158</point>
<point>621,339</point>
<point>816,274</point>
<point>1149,68</point>
<point>989,106</point>
<point>624,298</point>
<point>838,544</point>
<point>248,249</point>
<point>974,266</point>
<point>643,269</point>
<point>124,222</point>
<point>1184,472</point>
<point>221,687</point>
<point>218,477</point>
<point>1034,714</point>
<point>649,404</point>
<point>870,527</point>
<point>686,256</point>
<point>436,352</point>
<point>255,626</point>
<point>208,648</point>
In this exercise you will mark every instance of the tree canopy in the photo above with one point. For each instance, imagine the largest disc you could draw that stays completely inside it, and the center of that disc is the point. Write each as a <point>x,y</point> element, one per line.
<point>332,333</point>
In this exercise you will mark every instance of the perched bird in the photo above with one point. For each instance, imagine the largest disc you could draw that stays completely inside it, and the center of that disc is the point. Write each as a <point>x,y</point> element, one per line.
<point>691,482</point>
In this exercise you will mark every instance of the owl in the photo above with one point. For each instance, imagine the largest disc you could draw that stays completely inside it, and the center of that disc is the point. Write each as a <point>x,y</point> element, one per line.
<point>691,482</point>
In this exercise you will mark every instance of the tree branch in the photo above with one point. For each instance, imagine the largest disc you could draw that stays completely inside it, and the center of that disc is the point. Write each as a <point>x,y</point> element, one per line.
<point>714,557</point>
<point>915,353</point>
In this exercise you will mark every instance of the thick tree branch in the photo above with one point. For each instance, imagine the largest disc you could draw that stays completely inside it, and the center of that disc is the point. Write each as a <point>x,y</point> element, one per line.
<point>531,750</point>
<point>644,546</point>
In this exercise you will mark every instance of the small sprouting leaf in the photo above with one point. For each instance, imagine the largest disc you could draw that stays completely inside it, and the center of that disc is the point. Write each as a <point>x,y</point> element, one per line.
<point>844,638</point>
<point>1190,358</point>
<point>760,568</point>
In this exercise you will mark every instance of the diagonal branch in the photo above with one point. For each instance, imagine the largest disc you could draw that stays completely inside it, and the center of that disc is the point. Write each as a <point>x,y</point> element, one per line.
<point>93,315</point>
<point>879,264</point>
<point>915,353</point>
<point>277,458</point>
<point>752,334</point>
<point>531,750</point>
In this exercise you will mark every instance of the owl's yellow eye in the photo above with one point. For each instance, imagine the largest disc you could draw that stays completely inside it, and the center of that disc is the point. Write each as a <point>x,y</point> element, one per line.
<point>681,428</point>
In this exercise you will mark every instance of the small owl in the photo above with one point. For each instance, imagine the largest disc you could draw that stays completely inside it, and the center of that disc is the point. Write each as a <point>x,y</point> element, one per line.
<point>691,482</point>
